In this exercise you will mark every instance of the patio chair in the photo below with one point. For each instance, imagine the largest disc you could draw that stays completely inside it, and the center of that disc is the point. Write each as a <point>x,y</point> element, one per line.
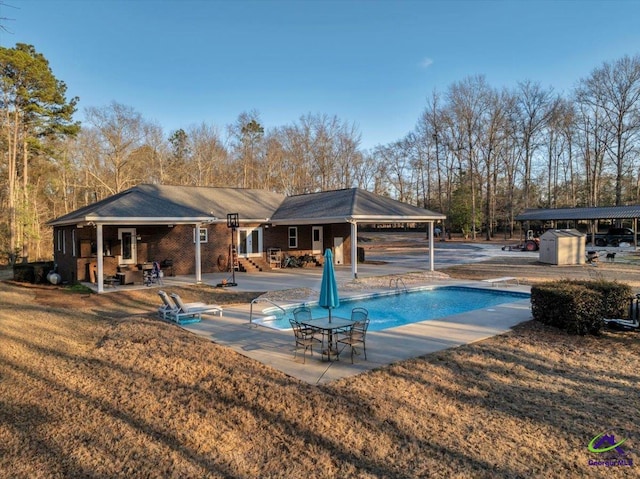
<point>168,306</point>
<point>357,314</point>
<point>303,314</point>
<point>154,275</point>
<point>355,336</point>
<point>191,310</point>
<point>304,339</point>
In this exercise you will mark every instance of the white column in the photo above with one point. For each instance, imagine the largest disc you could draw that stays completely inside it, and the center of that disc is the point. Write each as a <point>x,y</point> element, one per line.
<point>354,250</point>
<point>431,247</point>
<point>100,260</point>
<point>198,255</point>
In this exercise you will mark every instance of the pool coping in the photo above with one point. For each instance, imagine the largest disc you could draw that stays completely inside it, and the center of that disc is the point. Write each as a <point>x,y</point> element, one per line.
<point>313,303</point>
<point>275,347</point>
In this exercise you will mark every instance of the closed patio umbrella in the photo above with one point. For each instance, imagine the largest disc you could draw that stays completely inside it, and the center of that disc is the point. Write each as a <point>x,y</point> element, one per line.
<point>329,289</point>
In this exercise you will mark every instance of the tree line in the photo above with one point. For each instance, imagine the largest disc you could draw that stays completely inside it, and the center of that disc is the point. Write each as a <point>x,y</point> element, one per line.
<point>479,154</point>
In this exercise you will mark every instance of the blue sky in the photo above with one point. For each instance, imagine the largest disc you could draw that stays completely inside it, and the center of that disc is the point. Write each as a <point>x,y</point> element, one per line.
<point>372,63</point>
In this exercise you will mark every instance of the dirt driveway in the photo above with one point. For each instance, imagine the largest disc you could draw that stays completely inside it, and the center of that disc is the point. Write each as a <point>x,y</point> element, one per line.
<point>483,260</point>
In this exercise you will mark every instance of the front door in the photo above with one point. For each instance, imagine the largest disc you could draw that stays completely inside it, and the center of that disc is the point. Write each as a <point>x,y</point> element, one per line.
<point>128,246</point>
<point>316,240</point>
<point>250,242</point>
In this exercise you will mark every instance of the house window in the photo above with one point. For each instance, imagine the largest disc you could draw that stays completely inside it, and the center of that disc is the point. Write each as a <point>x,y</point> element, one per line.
<point>73,243</point>
<point>204,235</point>
<point>61,241</point>
<point>293,237</point>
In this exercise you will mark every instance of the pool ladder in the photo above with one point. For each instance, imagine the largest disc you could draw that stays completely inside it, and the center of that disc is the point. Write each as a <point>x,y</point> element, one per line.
<point>259,300</point>
<point>398,282</point>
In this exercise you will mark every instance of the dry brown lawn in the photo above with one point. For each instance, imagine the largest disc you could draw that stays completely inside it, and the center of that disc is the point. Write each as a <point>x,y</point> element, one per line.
<point>96,387</point>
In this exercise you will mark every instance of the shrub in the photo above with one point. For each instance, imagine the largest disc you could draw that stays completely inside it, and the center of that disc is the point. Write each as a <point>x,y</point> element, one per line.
<point>615,297</point>
<point>572,307</point>
<point>579,306</point>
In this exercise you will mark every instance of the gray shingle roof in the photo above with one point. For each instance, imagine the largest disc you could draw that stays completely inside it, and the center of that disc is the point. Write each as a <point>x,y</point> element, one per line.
<point>352,203</point>
<point>175,204</point>
<point>590,213</point>
<point>181,204</point>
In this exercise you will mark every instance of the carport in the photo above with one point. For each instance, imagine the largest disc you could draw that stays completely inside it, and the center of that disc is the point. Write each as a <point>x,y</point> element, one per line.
<point>593,214</point>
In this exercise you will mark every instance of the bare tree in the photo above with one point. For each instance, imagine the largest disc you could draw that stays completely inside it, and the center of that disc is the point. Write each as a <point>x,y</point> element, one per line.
<point>613,90</point>
<point>118,133</point>
<point>534,107</point>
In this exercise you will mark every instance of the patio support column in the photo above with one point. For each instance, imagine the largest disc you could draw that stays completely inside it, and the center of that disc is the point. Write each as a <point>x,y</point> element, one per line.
<point>198,255</point>
<point>100,259</point>
<point>354,250</point>
<point>431,247</point>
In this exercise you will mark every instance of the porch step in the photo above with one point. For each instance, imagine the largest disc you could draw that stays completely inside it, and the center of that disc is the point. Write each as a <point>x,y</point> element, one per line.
<point>253,265</point>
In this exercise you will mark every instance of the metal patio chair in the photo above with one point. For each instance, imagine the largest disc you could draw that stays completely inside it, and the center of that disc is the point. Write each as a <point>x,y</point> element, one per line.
<point>356,336</point>
<point>304,339</point>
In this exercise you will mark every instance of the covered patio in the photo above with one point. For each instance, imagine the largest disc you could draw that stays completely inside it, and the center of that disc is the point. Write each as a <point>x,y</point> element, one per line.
<point>191,227</point>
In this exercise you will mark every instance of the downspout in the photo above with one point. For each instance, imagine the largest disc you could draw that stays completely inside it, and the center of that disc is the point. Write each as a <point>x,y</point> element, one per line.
<point>100,262</point>
<point>198,255</point>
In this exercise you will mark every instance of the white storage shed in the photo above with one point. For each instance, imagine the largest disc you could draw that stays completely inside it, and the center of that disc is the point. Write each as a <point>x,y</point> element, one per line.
<point>562,247</point>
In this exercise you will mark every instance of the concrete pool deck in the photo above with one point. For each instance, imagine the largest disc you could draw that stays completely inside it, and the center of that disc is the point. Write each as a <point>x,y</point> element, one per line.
<point>276,348</point>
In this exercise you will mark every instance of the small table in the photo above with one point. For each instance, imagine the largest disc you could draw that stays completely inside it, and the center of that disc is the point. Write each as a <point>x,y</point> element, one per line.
<point>323,325</point>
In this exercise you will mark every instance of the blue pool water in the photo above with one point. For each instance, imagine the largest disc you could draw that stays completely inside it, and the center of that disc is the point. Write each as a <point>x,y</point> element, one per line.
<point>392,310</point>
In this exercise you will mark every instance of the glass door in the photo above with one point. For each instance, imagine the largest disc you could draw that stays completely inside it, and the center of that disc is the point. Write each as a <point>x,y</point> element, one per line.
<point>250,242</point>
<point>128,246</point>
<point>316,240</point>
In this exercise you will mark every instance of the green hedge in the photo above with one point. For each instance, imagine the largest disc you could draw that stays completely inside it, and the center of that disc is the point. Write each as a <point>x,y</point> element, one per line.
<point>578,307</point>
<point>615,297</point>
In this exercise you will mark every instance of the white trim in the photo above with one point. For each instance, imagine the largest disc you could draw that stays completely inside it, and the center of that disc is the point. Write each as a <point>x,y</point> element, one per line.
<point>359,219</point>
<point>354,250</point>
<point>320,229</point>
<point>134,245</point>
<point>198,255</point>
<point>256,249</point>
<point>204,238</point>
<point>293,229</point>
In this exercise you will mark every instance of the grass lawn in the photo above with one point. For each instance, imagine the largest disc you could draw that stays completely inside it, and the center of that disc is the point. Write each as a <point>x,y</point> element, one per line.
<point>100,388</point>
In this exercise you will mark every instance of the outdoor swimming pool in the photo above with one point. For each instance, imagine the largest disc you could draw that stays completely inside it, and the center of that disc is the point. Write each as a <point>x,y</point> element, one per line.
<point>392,310</point>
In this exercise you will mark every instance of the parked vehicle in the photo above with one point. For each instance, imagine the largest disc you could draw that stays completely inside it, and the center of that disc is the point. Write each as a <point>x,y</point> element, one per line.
<point>613,237</point>
<point>532,243</point>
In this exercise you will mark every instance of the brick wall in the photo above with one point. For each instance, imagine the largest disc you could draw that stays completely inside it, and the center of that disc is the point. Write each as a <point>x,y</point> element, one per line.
<point>176,243</point>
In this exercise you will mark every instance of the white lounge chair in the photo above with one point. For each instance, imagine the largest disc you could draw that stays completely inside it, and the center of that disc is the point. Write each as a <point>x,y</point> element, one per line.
<point>168,306</point>
<point>191,310</point>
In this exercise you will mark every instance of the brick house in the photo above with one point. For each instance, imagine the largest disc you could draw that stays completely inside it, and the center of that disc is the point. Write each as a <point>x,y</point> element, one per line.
<point>186,229</point>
